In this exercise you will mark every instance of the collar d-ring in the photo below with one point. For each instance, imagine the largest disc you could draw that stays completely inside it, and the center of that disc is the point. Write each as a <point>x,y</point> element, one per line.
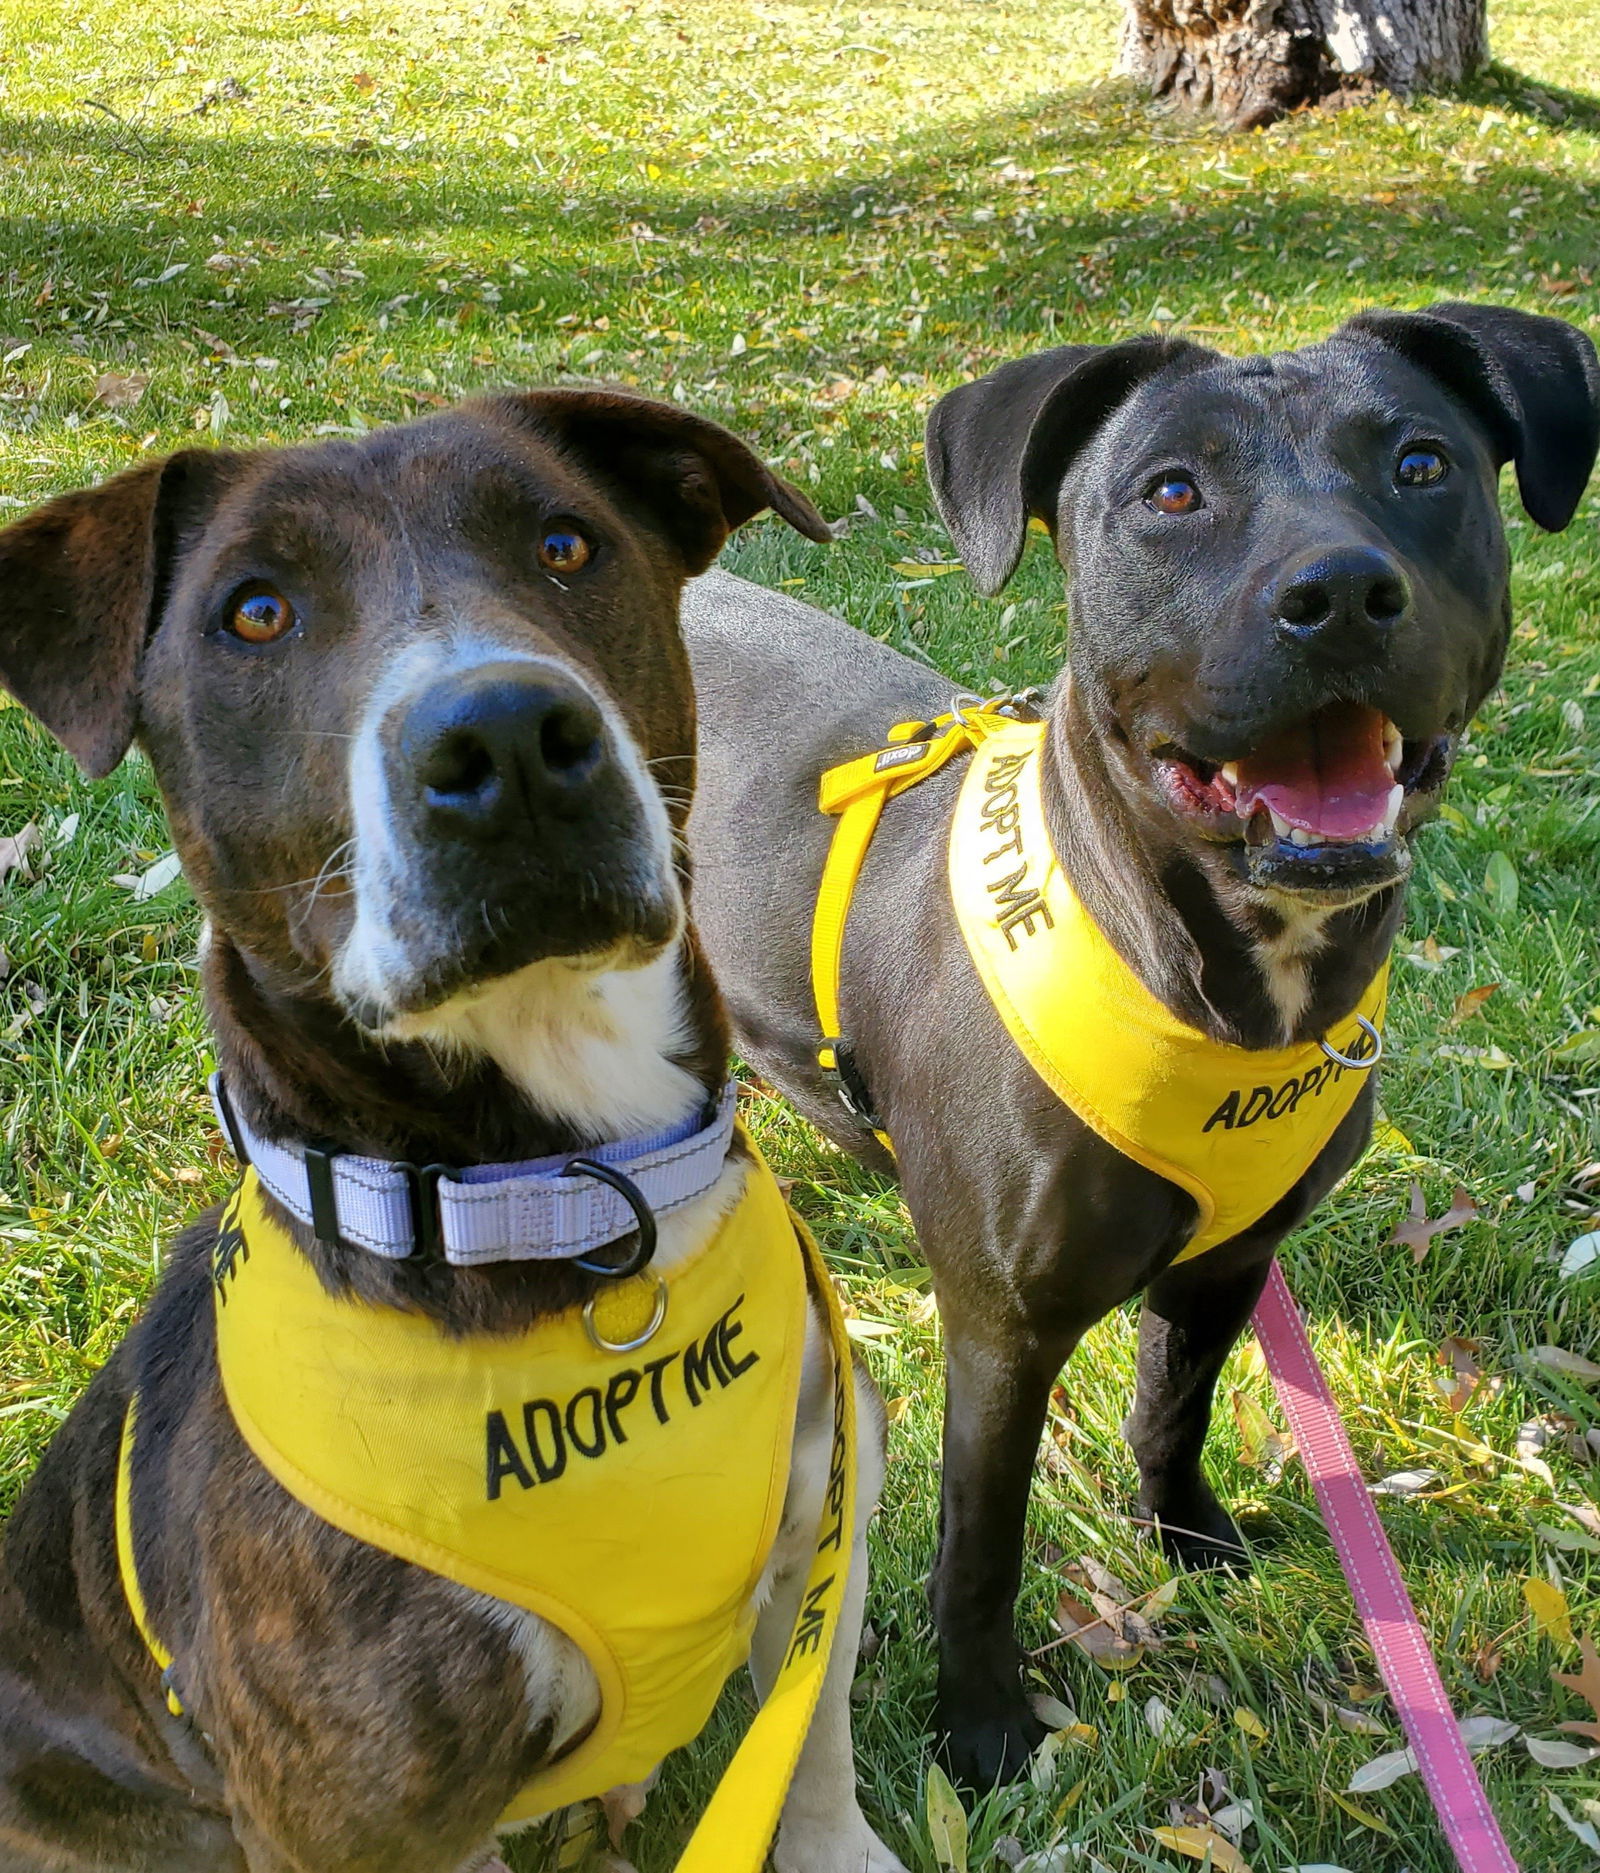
<point>1368,1060</point>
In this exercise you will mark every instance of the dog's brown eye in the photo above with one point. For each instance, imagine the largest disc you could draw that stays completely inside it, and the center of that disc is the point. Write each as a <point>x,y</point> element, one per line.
<point>261,615</point>
<point>1420,468</point>
<point>1173,494</point>
<point>564,549</point>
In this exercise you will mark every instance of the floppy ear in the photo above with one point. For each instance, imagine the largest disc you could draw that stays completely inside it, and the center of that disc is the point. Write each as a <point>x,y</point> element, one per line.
<point>1532,382</point>
<point>699,477</point>
<point>82,582</point>
<point>998,448</point>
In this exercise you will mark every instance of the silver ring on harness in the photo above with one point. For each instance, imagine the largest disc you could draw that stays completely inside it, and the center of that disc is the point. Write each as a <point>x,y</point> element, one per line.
<point>1370,1060</point>
<point>602,1345</point>
<point>959,703</point>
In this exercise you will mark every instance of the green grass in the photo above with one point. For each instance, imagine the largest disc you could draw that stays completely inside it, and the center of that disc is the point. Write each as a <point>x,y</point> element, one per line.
<point>809,220</point>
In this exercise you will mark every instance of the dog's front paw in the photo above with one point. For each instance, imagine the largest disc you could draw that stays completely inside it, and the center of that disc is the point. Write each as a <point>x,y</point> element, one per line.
<point>983,1749</point>
<point>844,1844</point>
<point>1199,1534</point>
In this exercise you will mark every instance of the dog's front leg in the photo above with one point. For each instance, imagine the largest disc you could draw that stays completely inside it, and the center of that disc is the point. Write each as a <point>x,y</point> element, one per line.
<point>823,1829</point>
<point>997,1389</point>
<point>1192,1315</point>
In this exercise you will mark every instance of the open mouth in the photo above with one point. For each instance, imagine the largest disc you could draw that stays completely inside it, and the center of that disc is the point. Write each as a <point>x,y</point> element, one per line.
<point>1331,787</point>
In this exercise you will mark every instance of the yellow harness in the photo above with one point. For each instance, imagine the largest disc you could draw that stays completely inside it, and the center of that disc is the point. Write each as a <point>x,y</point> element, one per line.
<point>1234,1127</point>
<point>621,1474</point>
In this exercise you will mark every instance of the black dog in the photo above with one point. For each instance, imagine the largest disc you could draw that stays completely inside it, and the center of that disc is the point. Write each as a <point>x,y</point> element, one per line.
<point>1288,598</point>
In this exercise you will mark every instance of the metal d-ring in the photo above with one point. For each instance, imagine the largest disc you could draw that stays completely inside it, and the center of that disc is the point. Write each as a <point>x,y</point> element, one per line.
<point>602,1345</point>
<point>958,705</point>
<point>643,1216</point>
<point>1363,1065</point>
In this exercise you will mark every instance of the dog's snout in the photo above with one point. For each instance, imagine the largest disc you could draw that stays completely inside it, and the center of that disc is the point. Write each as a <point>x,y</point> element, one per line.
<point>1350,593</point>
<point>502,745</point>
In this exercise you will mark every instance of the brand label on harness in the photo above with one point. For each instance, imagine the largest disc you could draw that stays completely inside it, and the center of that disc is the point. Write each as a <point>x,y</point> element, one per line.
<point>537,1447</point>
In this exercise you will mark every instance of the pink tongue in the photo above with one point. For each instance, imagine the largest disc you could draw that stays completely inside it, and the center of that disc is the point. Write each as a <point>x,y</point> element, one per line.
<point>1327,775</point>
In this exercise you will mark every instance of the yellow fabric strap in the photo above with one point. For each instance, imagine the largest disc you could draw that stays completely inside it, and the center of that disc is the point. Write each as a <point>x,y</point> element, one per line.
<point>741,1818</point>
<point>1234,1127</point>
<point>855,793</point>
<point>125,1562</point>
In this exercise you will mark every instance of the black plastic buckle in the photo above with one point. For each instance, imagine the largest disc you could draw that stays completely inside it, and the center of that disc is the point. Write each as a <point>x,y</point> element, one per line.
<point>230,1124</point>
<point>644,1216</point>
<point>850,1084</point>
<point>427,1219</point>
<point>324,1203</point>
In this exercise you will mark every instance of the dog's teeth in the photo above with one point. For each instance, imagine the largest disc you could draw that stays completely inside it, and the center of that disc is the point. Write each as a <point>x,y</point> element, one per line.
<point>1229,771</point>
<point>1279,824</point>
<point>1299,836</point>
<point>1391,812</point>
<point>1394,746</point>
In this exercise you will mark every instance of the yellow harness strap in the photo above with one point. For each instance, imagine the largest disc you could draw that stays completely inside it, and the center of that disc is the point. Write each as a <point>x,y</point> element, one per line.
<point>856,792</point>
<point>628,1492</point>
<point>131,1589</point>
<point>1234,1127</point>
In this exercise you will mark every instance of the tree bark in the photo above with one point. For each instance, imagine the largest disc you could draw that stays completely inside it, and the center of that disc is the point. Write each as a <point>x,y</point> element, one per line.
<point>1249,61</point>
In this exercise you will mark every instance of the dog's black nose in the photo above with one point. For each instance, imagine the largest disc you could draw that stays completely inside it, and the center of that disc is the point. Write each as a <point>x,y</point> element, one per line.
<point>1348,596</point>
<point>503,745</point>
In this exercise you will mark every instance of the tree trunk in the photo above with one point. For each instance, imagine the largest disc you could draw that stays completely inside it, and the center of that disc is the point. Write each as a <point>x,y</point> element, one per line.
<point>1249,61</point>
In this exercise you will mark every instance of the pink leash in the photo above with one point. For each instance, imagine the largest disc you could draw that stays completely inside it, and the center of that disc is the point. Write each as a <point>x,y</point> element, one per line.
<point>1380,1594</point>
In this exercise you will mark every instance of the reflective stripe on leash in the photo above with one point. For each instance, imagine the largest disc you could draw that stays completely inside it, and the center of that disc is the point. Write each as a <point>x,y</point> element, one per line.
<point>1380,1595</point>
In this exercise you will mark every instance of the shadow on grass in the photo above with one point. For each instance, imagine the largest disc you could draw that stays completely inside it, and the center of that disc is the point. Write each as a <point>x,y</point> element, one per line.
<point>996,263</point>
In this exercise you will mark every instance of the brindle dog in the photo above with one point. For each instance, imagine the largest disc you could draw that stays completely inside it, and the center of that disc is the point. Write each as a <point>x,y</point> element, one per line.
<point>423,722</point>
<point>1289,595</point>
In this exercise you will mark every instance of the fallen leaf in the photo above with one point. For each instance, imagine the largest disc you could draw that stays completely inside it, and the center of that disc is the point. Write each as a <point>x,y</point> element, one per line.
<point>1164,1725</point>
<point>1381,1771</point>
<point>1583,1514</point>
<point>1461,1357</point>
<point>1585,1682</point>
<point>1578,1049</point>
<point>1533,1434</point>
<point>1090,1633</point>
<point>1114,1600</point>
<point>1051,1712</point>
<point>1199,1843</point>
<point>1558,1359</point>
<point>1548,1605</point>
<point>933,569</point>
<point>1581,1253</point>
<point>1404,1483</point>
<point>156,878</point>
<point>624,1805</point>
<point>1262,1445</point>
<point>67,831</point>
<point>1368,1817</point>
<point>1250,1723</point>
<point>947,1821</point>
<point>1500,884</point>
<point>1471,1001</point>
<point>120,393</point>
<point>1551,1753</point>
<point>1235,1819</point>
<point>1585,1830</point>
<point>1478,1733</point>
<point>14,849</point>
<point>1419,1229</point>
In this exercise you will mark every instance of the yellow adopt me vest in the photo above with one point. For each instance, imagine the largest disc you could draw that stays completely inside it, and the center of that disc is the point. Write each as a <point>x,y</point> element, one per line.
<point>630,1498</point>
<point>1234,1127</point>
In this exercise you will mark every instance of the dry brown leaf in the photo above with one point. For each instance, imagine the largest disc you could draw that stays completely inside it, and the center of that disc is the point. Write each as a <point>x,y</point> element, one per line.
<point>1585,1682</point>
<point>1419,1229</point>
<point>1091,1634</point>
<point>14,849</point>
<point>1574,1365</point>
<point>623,1806</point>
<point>120,393</point>
<point>1112,1599</point>
<point>1262,1445</point>
<point>1468,1004</point>
<point>1460,1356</point>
